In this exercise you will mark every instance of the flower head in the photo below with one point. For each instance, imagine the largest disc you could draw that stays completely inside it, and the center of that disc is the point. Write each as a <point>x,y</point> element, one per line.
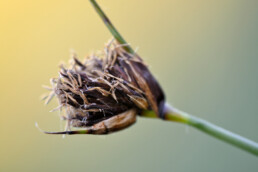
<point>102,87</point>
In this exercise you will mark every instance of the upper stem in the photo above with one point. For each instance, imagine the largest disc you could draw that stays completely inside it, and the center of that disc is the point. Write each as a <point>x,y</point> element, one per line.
<point>111,27</point>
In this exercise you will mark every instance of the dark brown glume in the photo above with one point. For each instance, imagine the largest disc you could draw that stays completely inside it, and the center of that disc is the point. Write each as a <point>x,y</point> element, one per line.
<point>99,88</point>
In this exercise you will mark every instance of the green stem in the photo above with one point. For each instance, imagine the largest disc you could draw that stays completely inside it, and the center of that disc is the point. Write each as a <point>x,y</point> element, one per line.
<point>111,27</point>
<point>172,114</point>
<point>176,115</point>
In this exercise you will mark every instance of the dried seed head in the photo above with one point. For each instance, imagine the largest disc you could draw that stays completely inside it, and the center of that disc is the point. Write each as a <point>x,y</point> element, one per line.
<point>102,87</point>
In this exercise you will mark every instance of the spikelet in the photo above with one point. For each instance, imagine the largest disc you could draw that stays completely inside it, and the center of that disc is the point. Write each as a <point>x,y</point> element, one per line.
<point>105,86</point>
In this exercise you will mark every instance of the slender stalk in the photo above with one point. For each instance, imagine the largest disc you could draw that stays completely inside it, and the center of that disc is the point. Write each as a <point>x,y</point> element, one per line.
<point>176,115</point>
<point>111,27</point>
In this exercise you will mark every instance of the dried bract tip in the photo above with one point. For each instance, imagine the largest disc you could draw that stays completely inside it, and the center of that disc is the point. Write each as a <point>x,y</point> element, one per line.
<point>99,88</point>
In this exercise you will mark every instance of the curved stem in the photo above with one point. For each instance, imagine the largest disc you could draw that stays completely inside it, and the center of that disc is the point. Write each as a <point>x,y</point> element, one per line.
<point>111,27</point>
<point>176,115</point>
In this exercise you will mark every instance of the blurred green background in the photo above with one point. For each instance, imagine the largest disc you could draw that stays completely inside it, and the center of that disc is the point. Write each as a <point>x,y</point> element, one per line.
<point>204,54</point>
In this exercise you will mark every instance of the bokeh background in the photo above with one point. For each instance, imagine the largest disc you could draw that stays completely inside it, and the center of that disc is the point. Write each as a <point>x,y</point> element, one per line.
<point>204,54</point>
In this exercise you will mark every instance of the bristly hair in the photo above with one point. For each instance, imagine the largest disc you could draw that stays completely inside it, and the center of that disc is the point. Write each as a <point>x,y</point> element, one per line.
<point>102,87</point>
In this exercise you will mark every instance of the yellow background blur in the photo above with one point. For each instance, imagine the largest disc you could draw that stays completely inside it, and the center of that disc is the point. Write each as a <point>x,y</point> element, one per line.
<point>204,54</point>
